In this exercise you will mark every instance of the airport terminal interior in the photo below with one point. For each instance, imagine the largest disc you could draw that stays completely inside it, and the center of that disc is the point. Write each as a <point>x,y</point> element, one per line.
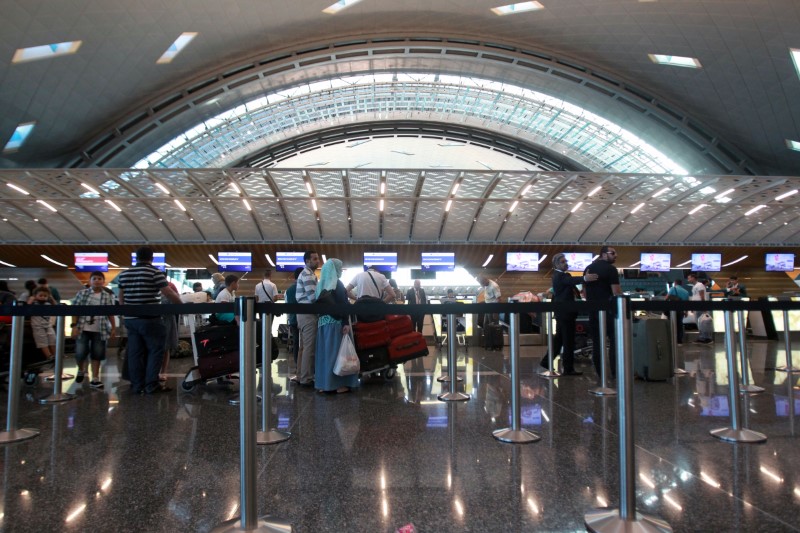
<point>474,136</point>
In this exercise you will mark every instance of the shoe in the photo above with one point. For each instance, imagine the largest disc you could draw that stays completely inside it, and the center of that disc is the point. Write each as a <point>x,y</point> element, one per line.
<point>162,378</point>
<point>341,390</point>
<point>306,384</point>
<point>96,384</point>
<point>79,377</point>
<point>703,341</point>
<point>572,373</point>
<point>158,390</point>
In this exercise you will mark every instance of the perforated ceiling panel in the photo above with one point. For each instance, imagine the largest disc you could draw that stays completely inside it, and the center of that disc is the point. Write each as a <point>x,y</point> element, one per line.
<point>302,220</point>
<point>333,215</point>
<point>397,219</point>
<point>460,220</point>
<point>366,222</point>
<point>428,220</point>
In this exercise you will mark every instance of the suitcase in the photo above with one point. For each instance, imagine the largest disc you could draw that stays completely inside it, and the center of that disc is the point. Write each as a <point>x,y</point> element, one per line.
<point>493,339</point>
<point>398,325</point>
<point>407,347</point>
<point>373,358</point>
<point>219,364</point>
<point>370,334</point>
<point>705,326</point>
<point>652,349</point>
<point>215,340</point>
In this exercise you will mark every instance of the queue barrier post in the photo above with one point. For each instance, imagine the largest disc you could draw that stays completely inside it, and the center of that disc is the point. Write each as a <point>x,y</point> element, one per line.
<point>452,371</point>
<point>550,371</point>
<point>735,433</point>
<point>267,435</point>
<point>603,389</point>
<point>625,518</point>
<point>515,434</point>
<point>58,395</point>
<point>453,395</point>
<point>12,432</point>
<point>746,386</point>
<point>673,324</point>
<point>249,519</point>
<point>788,367</point>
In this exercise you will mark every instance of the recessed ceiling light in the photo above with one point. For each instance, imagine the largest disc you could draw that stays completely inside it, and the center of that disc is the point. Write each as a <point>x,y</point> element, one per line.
<point>112,204</point>
<point>520,7</point>
<point>675,61</point>
<point>785,195</point>
<point>46,51</point>
<point>338,6</point>
<point>8,264</point>
<point>696,209</point>
<point>48,206</point>
<point>755,210</point>
<point>488,259</point>
<point>795,53</point>
<point>18,189</point>
<point>175,48</point>
<point>21,133</point>
<point>53,261</point>
<point>793,145</point>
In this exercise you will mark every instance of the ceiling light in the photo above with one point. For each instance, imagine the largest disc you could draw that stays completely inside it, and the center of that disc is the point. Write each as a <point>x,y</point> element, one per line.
<point>18,188</point>
<point>637,263</point>
<point>314,204</point>
<point>308,187</point>
<point>696,209</point>
<point>449,204</point>
<point>176,47</point>
<point>576,207</point>
<point>179,204</point>
<point>338,6</point>
<point>90,188</point>
<point>247,204</point>
<point>524,191</point>
<point>488,260</point>
<point>236,188</point>
<point>213,259</point>
<point>53,261</point>
<point>162,187</point>
<point>635,209</point>
<point>113,264</point>
<point>735,261</point>
<point>45,51</point>
<point>542,258</point>
<point>324,258</point>
<point>383,187</point>
<point>684,263</point>
<point>520,7</point>
<point>795,53</point>
<point>725,194</point>
<point>662,191</point>
<point>8,264</point>
<point>269,260</point>
<point>595,190</point>
<point>21,133</point>
<point>785,195</point>
<point>48,206</point>
<point>675,61</point>
<point>458,184</point>
<point>381,205</point>
<point>793,145</point>
<point>112,204</point>
<point>755,210</point>
<point>513,206</point>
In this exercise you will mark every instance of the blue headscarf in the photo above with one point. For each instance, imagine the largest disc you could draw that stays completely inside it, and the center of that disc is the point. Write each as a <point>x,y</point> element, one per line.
<point>328,278</point>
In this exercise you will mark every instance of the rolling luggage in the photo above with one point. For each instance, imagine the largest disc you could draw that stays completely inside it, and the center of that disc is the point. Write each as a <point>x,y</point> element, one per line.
<point>398,325</point>
<point>370,334</point>
<point>407,347</point>
<point>218,353</point>
<point>652,349</point>
<point>373,359</point>
<point>215,340</point>
<point>493,339</point>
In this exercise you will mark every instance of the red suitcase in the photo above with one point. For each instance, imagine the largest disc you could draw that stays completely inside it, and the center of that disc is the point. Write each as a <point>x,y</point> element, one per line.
<point>370,334</point>
<point>398,325</point>
<point>407,347</point>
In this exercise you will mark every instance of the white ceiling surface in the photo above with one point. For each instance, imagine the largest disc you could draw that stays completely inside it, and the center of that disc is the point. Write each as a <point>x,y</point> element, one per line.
<point>744,102</point>
<point>626,209</point>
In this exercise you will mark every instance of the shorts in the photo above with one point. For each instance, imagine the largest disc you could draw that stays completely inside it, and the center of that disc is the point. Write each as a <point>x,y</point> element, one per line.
<point>90,343</point>
<point>44,337</point>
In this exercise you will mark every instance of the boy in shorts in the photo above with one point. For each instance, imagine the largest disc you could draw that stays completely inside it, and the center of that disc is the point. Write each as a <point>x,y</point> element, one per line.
<point>92,332</point>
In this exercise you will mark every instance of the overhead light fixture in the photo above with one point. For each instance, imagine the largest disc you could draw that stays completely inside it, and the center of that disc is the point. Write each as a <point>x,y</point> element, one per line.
<point>113,264</point>
<point>595,190</point>
<point>269,259</point>
<point>308,187</point>
<point>793,145</point>
<point>458,184</point>
<point>576,207</point>
<point>659,193</point>
<point>112,204</point>
<point>236,188</point>
<point>542,258</point>
<point>520,7</point>
<point>8,264</point>
<point>18,137</point>
<point>513,206</point>
<point>247,204</point>
<point>47,258</point>
<point>785,195</point>
<point>723,195</point>
<point>755,210</point>
<point>90,189</point>
<point>338,6</point>
<point>162,187</point>
<point>735,261</point>
<point>696,209</point>
<point>48,206</point>
<point>176,47</point>
<point>383,187</point>
<point>381,205</point>
<point>324,258</point>
<point>795,53</point>
<point>675,61</point>
<point>45,51</point>
<point>213,259</point>
<point>488,260</point>
<point>18,189</point>
<point>637,263</point>
<point>314,204</point>
<point>179,204</point>
<point>635,209</point>
<point>448,206</point>
<point>684,263</point>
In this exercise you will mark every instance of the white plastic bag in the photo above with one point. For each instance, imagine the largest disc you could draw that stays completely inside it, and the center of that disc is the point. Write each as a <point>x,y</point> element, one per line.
<point>347,362</point>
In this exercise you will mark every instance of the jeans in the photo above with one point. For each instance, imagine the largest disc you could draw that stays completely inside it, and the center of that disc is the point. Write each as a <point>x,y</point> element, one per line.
<point>90,343</point>
<point>146,341</point>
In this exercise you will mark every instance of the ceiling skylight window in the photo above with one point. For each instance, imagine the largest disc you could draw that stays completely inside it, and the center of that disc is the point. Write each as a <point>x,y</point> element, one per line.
<point>793,145</point>
<point>675,61</point>
<point>338,6</point>
<point>177,47</point>
<point>795,53</point>
<point>520,7</point>
<point>21,133</point>
<point>46,51</point>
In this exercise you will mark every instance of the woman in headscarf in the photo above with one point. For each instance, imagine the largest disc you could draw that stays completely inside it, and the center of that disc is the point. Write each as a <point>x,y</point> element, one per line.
<point>330,330</point>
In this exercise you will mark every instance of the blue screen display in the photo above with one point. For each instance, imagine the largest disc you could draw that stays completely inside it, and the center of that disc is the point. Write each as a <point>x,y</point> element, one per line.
<point>438,261</point>
<point>382,261</point>
<point>235,261</point>
<point>159,260</point>
<point>288,261</point>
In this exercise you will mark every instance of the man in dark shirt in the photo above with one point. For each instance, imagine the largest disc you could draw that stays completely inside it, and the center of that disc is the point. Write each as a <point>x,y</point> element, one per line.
<point>603,289</point>
<point>144,284</point>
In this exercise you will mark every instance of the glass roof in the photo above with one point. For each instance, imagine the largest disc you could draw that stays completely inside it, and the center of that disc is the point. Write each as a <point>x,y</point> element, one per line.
<point>535,117</point>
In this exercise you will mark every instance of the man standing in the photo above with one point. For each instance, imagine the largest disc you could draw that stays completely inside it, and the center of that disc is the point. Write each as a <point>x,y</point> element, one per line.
<point>371,283</point>
<point>307,324</point>
<point>491,295</point>
<point>734,289</point>
<point>143,284</point>
<point>705,334</point>
<point>266,291</point>
<point>416,295</point>
<point>678,294</point>
<point>603,289</point>
<point>291,320</point>
<point>226,296</point>
<point>92,332</point>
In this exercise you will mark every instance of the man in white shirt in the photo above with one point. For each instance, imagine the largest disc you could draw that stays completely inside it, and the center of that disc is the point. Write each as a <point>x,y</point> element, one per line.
<point>266,291</point>
<point>226,296</point>
<point>699,295</point>
<point>371,283</point>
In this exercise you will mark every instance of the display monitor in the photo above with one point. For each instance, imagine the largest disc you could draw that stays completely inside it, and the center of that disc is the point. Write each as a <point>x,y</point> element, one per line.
<point>654,262</point>
<point>706,262</point>
<point>235,261</point>
<point>438,261</point>
<point>289,261</point>
<point>91,261</point>
<point>578,261</point>
<point>780,262</point>
<point>382,261</point>
<point>159,260</point>
<point>522,261</point>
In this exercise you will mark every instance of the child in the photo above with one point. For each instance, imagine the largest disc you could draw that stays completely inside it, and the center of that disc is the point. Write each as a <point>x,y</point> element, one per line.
<point>43,333</point>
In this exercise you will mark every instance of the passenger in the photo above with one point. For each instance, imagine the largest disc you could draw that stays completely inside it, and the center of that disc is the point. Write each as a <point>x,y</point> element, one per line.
<point>330,331</point>
<point>678,294</point>
<point>53,291</point>
<point>291,320</point>
<point>170,336</point>
<point>603,289</point>
<point>226,296</point>
<point>416,295</point>
<point>25,296</point>
<point>43,333</point>
<point>306,293</point>
<point>398,294</point>
<point>491,294</point>
<point>219,283</point>
<point>734,289</point>
<point>92,332</point>
<point>371,283</point>
<point>266,291</point>
<point>7,297</point>
<point>705,335</point>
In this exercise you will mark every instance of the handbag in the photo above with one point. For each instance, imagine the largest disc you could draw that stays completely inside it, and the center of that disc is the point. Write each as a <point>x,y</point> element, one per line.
<point>347,362</point>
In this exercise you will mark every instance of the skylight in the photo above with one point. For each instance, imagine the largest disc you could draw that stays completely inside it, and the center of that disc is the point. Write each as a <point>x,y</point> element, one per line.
<point>795,53</point>
<point>338,6</point>
<point>520,7</point>
<point>175,48</point>
<point>46,51</point>
<point>18,137</point>
<point>675,61</point>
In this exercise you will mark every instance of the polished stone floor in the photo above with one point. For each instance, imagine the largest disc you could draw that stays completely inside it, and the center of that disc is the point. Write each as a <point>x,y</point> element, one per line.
<point>391,454</point>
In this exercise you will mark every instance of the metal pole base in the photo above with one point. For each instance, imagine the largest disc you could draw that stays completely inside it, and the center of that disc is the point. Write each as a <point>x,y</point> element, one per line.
<point>454,397</point>
<point>446,379</point>
<point>265,523</point>
<point>545,373</point>
<point>273,436</point>
<point>679,372</point>
<point>750,389</point>
<point>738,435</point>
<point>16,435</point>
<point>55,398</point>
<point>609,520</point>
<point>234,400</point>
<point>64,377</point>
<point>518,436</point>
<point>792,370</point>
<point>603,391</point>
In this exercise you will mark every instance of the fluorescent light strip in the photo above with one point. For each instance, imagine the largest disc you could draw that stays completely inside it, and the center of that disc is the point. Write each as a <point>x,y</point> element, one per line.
<point>755,210</point>
<point>45,51</point>
<point>383,187</point>
<point>179,204</point>
<point>675,61</point>
<point>635,209</point>
<point>684,263</point>
<point>488,260</point>
<point>236,188</point>
<point>213,259</point>
<point>696,209</point>
<point>8,264</point>
<point>90,188</point>
<point>18,188</point>
<point>113,264</point>
<point>513,206</point>
<point>53,261</point>
<point>338,6</point>
<point>162,187</point>
<point>324,258</point>
<point>795,53</point>
<point>457,185</point>
<point>637,263</point>
<point>48,206</point>
<point>662,191</point>
<point>724,194</point>
<point>269,260</point>
<point>734,261</point>
<point>786,195</point>
<point>381,205</point>
<point>793,145</point>
<point>576,207</point>
<point>520,7</point>
<point>448,206</point>
<point>112,204</point>
<point>542,259</point>
<point>176,47</point>
<point>524,191</point>
<point>314,204</point>
<point>18,137</point>
<point>247,204</point>
<point>595,191</point>
<point>308,186</point>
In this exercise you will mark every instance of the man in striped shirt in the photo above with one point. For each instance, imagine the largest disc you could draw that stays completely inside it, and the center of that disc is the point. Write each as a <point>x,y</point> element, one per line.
<point>144,284</point>
<point>307,324</point>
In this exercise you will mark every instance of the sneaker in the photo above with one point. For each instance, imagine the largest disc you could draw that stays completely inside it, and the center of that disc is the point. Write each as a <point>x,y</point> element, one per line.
<point>79,377</point>
<point>96,384</point>
<point>703,341</point>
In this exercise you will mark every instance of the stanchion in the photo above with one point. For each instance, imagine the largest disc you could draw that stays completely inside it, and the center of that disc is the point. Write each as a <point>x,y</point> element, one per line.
<point>788,367</point>
<point>451,370</point>
<point>735,433</point>
<point>673,322</point>
<point>550,371</point>
<point>57,395</point>
<point>12,433</point>
<point>744,360</point>
<point>267,435</point>
<point>624,519</point>
<point>603,389</point>
<point>790,393</point>
<point>515,433</point>
<point>249,519</point>
<point>452,396</point>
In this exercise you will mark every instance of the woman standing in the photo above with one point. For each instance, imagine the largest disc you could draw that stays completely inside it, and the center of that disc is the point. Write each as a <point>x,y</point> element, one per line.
<point>330,331</point>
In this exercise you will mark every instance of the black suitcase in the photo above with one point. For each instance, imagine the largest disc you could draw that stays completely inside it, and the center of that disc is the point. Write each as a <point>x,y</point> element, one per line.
<point>373,358</point>
<point>215,340</point>
<point>652,349</point>
<point>493,339</point>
